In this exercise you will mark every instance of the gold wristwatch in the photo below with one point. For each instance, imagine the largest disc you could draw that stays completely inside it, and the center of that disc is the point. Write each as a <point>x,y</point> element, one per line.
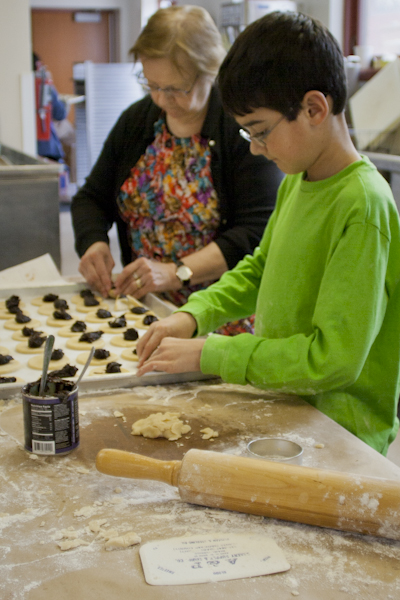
<point>183,273</point>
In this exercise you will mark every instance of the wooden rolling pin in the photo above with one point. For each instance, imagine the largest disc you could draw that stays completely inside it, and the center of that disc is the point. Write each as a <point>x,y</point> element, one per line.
<point>301,494</point>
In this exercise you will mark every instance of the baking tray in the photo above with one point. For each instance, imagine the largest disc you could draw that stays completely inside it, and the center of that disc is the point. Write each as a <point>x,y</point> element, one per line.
<point>89,383</point>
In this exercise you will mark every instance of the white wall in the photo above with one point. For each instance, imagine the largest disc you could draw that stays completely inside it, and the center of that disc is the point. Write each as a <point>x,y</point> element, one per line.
<point>15,68</point>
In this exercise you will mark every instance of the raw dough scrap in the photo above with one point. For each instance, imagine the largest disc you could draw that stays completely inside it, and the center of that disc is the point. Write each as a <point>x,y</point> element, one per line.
<point>95,525</point>
<point>130,538</point>
<point>167,425</point>
<point>69,544</point>
<point>208,433</point>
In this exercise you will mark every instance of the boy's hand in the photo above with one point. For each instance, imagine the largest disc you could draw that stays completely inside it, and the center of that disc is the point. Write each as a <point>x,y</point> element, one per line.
<point>174,355</point>
<point>178,325</point>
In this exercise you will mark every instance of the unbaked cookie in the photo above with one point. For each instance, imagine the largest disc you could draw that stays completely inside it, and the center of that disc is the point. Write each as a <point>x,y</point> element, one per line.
<point>102,370</point>
<point>17,380</point>
<point>47,299</point>
<point>53,322</point>
<point>4,350</point>
<point>74,343</point>
<point>68,332</point>
<point>48,308</point>
<point>23,348</point>
<point>36,362</point>
<point>20,337</point>
<point>12,324</point>
<point>129,354</point>
<point>9,367</point>
<point>121,342</point>
<point>92,317</point>
<point>82,358</point>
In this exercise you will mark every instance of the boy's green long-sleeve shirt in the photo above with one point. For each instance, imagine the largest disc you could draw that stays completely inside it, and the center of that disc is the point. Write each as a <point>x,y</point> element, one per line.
<point>324,285</point>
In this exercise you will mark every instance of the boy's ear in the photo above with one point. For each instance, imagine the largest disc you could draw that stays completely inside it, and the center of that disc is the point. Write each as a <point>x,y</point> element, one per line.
<point>316,106</point>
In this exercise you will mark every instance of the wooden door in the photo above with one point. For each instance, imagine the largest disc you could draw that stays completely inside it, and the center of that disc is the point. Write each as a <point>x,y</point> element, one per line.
<point>61,42</point>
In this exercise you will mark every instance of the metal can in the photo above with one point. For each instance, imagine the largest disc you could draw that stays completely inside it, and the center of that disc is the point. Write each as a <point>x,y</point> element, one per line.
<point>51,424</point>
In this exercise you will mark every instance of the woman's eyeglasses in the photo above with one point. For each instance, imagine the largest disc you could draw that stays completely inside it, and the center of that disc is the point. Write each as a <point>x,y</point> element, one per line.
<point>169,91</point>
<point>260,138</point>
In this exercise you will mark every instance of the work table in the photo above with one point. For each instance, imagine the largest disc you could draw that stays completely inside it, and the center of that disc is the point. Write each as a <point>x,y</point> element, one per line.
<point>40,497</point>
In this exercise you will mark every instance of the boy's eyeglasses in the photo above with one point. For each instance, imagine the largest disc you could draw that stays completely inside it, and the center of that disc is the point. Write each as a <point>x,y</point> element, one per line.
<point>260,138</point>
<point>169,91</point>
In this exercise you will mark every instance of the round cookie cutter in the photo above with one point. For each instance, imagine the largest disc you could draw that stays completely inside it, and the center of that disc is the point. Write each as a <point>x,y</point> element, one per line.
<point>276,449</point>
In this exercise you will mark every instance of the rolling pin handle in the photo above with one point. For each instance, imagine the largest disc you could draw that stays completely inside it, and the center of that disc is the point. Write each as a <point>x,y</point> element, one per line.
<point>126,464</point>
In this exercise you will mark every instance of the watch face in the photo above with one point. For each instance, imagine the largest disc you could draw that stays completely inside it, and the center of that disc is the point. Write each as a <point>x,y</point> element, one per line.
<point>184,273</point>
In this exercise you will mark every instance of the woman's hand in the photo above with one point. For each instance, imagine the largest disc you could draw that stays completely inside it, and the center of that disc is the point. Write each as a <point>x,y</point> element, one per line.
<point>178,325</point>
<point>144,275</point>
<point>174,355</point>
<point>96,266</point>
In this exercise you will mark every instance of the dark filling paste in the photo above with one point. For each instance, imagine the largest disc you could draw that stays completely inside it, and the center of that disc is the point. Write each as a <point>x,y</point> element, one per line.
<point>66,371</point>
<point>103,314</point>
<point>149,319</point>
<point>61,315</point>
<point>86,292</point>
<point>61,304</point>
<point>50,298</point>
<point>36,340</point>
<point>113,367</point>
<point>28,331</point>
<point>14,310</point>
<point>90,301</point>
<point>8,379</point>
<point>131,334</point>
<point>118,323</point>
<point>55,385</point>
<point>21,318</point>
<point>5,359</point>
<point>12,301</point>
<point>78,326</point>
<point>101,354</point>
<point>91,336</point>
<point>139,310</point>
<point>57,354</point>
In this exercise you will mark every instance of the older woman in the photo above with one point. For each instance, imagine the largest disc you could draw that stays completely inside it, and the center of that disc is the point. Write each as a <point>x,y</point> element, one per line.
<point>188,197</point>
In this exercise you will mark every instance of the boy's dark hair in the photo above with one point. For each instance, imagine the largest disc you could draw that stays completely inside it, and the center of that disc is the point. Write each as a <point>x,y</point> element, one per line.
<point>276,60</point>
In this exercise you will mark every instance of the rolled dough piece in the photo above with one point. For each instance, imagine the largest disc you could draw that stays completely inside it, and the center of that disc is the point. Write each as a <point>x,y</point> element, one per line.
<point>23,348</point>
<point>18,336</point>
<point>101,370</point>
<point>13,325</point>
<point>66,331</point>
<point>78,299</point>
<point>95,362</point>
<point>167,425</point>
<point>208,433</point>
<point>18,380</point>
<point>118,340</point>
<point>73,343</point>
<point>91,317</point>
<point>6,314</point>
<point>10,367</point>
<point>46,309</point>
<point>52,322</point>
<point>3,304</point>
<point>80,307</point>
<point>69,544</point>
<point>38,301</point>
<point>128,354</point>
<point>4,350</point>
<point>130,538</point>
<point>36,362</point>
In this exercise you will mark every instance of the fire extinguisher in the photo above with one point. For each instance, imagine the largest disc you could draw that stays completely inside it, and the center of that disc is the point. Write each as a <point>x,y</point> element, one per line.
<point>43,104</point>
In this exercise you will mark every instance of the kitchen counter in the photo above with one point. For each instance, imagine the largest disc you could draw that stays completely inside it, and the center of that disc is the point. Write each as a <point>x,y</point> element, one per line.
<point>44,498</point>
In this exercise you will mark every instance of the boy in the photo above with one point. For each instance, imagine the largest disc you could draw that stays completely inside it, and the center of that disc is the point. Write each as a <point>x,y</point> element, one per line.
<point>324,283</point>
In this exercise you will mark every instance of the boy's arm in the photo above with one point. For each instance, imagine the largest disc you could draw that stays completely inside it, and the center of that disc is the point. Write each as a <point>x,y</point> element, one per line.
<point>348,315</point>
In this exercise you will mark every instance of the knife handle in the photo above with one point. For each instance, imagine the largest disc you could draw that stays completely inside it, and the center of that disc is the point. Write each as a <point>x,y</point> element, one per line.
<point>137,466</point>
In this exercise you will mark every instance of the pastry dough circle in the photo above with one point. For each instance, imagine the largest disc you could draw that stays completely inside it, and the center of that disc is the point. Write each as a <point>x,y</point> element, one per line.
<point>118,340</point>
<point>80,307</point>
<point>66,331</point>
<point>91,317</point>
<point>77,299</point>
<point>95,362</point>
<point>36,362</point>
<point>101,370</point>
<point>10,367</point>
<point>23,348</point>
<point>38,301</point>
<point>47,309</point>
<point>73,343</point>
<point>12,324</point>
<point>52,322</point>
<point>127,354</point>
<point>18,336</point>
<point>4,350</point>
